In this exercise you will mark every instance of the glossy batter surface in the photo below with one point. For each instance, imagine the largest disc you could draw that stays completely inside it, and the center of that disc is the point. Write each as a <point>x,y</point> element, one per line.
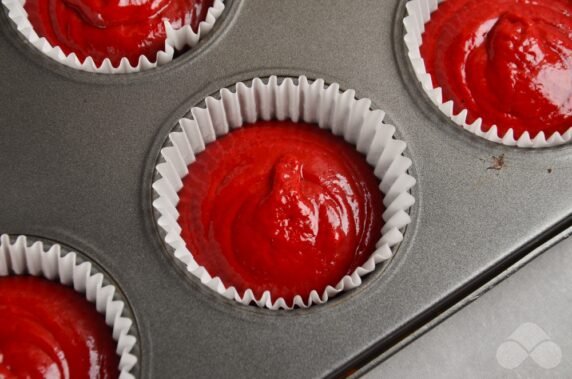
<point>112,28</point>
<point>48,330</point>
<point>280,206</point>
<point>507,61</point>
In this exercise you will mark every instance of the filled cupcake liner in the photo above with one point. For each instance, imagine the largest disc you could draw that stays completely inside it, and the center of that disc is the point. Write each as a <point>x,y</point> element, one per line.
<point>177,39</point>
<point>299,101</point>
<point>21,256</point>
<point>418,14</point>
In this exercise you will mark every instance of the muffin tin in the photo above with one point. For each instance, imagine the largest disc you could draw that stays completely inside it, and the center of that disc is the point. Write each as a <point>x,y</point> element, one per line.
<point>77,157</point>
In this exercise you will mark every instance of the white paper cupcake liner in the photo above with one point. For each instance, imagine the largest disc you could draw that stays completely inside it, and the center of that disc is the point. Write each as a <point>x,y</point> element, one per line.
<point>176,39</point>
<point>418,14</point>
<point>19,258</point>
<point>303,101</point>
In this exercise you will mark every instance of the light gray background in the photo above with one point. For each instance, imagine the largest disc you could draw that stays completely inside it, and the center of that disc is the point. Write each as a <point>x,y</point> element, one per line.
<point>465,345</point>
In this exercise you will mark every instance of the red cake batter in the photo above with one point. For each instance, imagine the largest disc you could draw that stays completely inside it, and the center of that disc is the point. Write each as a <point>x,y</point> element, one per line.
<point>112,28</point>
<point>507,61</point>
<point>48,330</point>
<point>280,206</point>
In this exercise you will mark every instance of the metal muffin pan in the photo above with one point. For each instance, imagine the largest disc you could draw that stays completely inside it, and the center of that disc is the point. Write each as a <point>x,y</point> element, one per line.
<point>77,156</point>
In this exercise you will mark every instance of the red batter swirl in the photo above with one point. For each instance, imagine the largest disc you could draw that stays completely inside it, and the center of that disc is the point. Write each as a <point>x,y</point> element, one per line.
<point>507,61</point>
<point>112,28</point>
<point>48,330</point>
<point>280,206</point>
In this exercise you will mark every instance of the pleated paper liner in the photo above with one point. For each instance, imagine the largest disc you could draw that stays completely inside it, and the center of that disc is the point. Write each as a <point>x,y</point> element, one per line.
<point>297,100</point>
<point>418,14</point>
<point>23,255</point>
<point>176,40</point>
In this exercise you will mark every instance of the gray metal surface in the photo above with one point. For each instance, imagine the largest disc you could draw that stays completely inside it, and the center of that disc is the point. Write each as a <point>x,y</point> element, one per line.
<point>77,153</point>
<point>519,329</point>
